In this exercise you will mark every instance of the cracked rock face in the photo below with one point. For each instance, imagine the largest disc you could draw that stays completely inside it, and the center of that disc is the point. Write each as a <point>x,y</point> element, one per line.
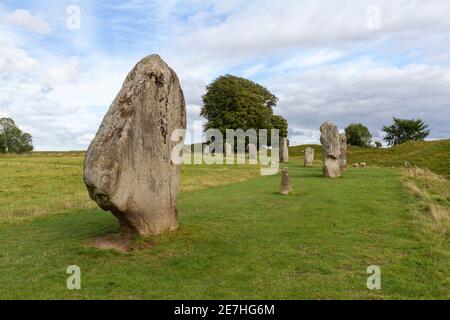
<point>330,141</point>
<point>343,152</point>
<point>128,168</point>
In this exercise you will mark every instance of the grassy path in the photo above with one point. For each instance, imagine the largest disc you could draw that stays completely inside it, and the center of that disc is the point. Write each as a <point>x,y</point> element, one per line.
<point>240,241</point>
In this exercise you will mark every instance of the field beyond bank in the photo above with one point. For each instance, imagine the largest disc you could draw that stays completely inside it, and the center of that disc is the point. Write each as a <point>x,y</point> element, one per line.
<point>434,155</point>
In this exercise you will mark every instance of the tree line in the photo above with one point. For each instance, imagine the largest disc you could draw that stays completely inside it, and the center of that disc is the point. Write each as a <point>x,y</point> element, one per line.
<point>12,139</point>
<point>235,103</point>
<point>399,132</point>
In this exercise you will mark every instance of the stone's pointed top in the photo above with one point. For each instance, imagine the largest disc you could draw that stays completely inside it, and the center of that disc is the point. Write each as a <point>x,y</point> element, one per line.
<point>153,60</point>
<point>327,124</point>
<point>151,57</point>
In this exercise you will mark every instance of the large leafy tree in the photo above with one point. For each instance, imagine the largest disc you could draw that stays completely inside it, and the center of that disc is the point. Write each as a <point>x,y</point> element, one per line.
<point>404,130</point>
<point>12,139</point>
<point>280,123</point>
<point>358,135</point>
<point>236,103</point>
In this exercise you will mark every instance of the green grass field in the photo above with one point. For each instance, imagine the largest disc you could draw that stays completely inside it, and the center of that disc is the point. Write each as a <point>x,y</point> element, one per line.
<point>434,155</point>
<point>238,238</point>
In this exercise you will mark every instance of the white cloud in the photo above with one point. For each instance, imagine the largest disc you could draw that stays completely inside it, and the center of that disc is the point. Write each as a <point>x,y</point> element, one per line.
<point>319,58</point>
<point>25,19</point>
<point>365,92</point>
<point>13,59</point>
<point>67,72</point>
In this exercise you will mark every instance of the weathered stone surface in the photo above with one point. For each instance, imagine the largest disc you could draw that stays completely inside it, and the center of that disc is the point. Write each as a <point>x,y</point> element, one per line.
<point>284,150</point>
<point>128,168</point>
<point>331,150</point>
<point>286,187</point>
<point>309,157</point>
<point>343,152</point>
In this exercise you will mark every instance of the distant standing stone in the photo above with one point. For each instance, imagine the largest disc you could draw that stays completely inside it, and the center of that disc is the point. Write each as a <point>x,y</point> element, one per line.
<point>128,168</point>
<point>331,149</point>
<point>284,150</point>
<point>206,150</point>
<point>309,157</point>
<point>363,164</point>
<point>286,187</point>
<point>355,165</point>
<point>252,153</point>
<point>343,152</point>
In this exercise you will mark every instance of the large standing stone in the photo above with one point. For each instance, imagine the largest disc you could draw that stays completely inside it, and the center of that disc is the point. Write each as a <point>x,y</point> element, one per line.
<point>343,151</point>
<point>284,150</point>
<point>128,168</point>
<point>286,187</point>
<point>309,157</point>
<point>331,149</point>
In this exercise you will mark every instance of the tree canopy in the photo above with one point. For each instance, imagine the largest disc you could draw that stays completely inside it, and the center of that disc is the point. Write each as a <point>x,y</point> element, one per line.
<point>236,103</point>
<point>358,135</point>
<point>12,139</point>
<point>404,130</point>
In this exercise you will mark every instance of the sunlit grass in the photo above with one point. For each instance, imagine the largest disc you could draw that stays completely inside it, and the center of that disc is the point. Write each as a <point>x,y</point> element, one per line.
<point>46,183</point>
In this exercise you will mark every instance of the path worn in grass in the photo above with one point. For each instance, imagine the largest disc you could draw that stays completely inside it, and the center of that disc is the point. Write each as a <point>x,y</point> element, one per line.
<point>240,241</point>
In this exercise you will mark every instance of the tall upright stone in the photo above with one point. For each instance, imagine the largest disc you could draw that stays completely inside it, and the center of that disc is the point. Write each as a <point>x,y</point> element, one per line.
<point>343,152</point>
<point>309,157</point>
<point>128,168</point>
<point>329,139</point>
<point>228,151</point>
<point>284,150</point>
<point>252,153</point>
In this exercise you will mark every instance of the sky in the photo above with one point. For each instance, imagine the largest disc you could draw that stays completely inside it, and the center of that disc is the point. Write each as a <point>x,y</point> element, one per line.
<point>63,62</point>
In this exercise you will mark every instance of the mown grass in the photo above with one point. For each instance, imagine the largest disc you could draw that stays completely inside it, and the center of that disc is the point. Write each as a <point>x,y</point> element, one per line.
<point>242,240</point>
<point>434,155</point>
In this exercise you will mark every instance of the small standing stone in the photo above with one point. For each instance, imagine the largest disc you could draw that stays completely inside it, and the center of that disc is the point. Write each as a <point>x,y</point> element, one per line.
<point>309,157</point>
<point>355,165</point>
<point>343,150</point>
<point>331,149</point>
<point>363,164</point>
<point>286,187</point>
<point>228,151</point>
<point>284,150</point>
<point>252,153</point>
